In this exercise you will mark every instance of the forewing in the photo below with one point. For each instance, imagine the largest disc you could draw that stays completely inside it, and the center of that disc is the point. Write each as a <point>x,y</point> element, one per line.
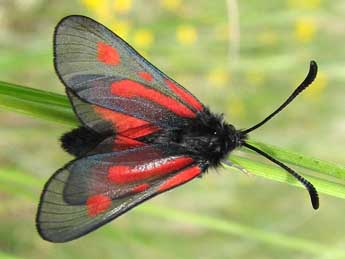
<point>102,69</point>
<point>106,120</point>
<point>91,191</point>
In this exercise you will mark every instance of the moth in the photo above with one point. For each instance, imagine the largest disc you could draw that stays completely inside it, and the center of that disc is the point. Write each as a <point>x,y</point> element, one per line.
<point>141,133</point>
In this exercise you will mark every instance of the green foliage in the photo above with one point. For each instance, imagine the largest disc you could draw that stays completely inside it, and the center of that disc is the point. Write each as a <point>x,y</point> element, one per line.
<point>36,103</point>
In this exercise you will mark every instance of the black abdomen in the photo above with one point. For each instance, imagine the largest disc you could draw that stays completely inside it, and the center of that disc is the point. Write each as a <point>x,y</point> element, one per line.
<point>80,141</point>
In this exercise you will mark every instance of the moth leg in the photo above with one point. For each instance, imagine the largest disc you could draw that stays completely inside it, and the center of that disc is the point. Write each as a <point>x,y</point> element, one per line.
<point>238,167</point>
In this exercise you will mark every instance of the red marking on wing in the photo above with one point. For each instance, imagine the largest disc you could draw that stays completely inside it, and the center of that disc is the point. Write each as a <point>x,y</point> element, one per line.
<point>107,54</point>
<point>180,178</point>
<point>141,131</point>
<point>97,204</point>
<point>141,187</point>
<point>128,88</point>
<point>145,75</point>
<point>126,125</point>
<point>126,174</point>
<point>188,98</point>
<point>122,143</point>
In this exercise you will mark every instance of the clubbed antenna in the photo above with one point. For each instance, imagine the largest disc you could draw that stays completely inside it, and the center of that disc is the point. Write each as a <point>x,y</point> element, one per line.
<point>306,82</point>
<point>314,197</point>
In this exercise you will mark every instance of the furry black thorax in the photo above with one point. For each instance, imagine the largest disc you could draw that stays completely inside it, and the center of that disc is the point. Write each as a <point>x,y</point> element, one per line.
<point>208,139</point>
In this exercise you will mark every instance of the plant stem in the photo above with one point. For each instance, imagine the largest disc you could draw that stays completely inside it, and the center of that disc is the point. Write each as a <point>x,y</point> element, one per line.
<point>56,108</point>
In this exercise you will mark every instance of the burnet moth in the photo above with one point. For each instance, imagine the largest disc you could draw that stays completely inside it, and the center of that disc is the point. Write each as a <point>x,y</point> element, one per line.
<point>141,133</point>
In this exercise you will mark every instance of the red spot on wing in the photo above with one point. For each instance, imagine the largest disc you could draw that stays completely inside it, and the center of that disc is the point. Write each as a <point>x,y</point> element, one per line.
<point>126,125</point>
<point>141,131</point>
<point>145,75</point>
<point>122,143</point>
<point>125,174</point>
<point>180,178</point>
<point>128,88</point>
<point>97,204</point>
<point>141,187</point>
<point>107,54</point>
<point>187,97</point>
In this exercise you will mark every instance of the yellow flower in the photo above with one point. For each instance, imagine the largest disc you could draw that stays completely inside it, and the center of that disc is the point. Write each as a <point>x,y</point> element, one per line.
<point>186,34</point>
<point>318,86</point>
<point>304,4</point>
<point>90,4</point>
<point>143,38</point>
<point>99,7</point>
<point>121,28</point>
<point>218,77</point>
<point>122,6</point>
<point>171,5</point>
<point>305,29</point>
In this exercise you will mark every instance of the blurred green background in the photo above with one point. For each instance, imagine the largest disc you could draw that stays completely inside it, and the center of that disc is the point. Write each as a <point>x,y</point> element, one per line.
<point>239,57</point>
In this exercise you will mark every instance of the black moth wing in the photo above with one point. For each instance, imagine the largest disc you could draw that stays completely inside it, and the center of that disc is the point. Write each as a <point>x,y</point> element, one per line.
<point>85,194</point>
<point>109,83</point>
<point>99,68</point>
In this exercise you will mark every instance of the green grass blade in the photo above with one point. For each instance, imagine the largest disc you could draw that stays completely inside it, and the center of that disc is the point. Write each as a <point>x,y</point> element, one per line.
<point>4,255</point>
<point>294,158</point>
<point>56,108</point>
<point>18,183</point>
<point>36,103</point>
<point>277,174</point>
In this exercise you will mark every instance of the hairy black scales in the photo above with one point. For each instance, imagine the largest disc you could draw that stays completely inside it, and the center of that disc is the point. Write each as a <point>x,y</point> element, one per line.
<point>207,138</point>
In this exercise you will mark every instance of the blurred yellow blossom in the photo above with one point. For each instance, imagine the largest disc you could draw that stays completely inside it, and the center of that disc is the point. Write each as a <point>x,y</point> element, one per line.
<point>218,77</point>
<point>99,7</point>
<point>122,6</point>
<point>305,29</point>
<point>90,4</point>
<point>172,5</point>
<point>121,28</point>
<point>318,86</point>
<point>304,4</point>
<point>186,34</point>
<point>143,38</point>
